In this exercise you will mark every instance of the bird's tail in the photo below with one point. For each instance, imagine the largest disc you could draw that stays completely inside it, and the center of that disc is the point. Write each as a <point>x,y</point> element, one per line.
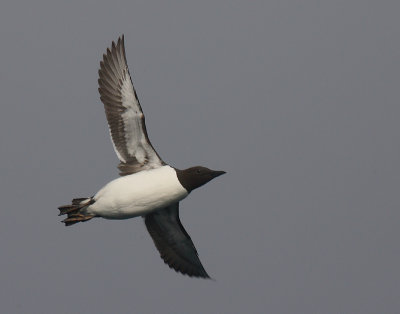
<point>76,211</point>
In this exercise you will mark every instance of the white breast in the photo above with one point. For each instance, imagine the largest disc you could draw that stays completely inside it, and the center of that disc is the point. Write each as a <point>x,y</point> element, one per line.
<point>138,194</point>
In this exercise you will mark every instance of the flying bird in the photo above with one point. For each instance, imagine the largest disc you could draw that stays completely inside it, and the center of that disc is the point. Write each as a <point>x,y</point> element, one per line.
<point>148,186</point>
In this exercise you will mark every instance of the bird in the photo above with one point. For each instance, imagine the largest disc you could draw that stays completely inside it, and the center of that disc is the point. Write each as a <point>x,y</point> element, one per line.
<point>147,186</point>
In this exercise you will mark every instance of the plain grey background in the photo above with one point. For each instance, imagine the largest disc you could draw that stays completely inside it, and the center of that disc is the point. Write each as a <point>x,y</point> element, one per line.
<point>297,100</point>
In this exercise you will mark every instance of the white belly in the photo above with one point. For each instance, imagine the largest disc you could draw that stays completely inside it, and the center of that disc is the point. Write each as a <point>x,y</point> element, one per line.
<point>138,194</point>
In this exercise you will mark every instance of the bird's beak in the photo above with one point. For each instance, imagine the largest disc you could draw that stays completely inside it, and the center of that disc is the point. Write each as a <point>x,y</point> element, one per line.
<point>218,173</point>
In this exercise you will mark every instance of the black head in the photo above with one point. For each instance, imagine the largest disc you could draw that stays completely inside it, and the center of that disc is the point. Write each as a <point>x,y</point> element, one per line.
<point>194,177</point>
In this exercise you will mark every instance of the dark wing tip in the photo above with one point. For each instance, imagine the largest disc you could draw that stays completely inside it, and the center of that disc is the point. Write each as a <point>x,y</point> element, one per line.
<point>202,275</point>
<point>120,40</point>
<point>200,272</point>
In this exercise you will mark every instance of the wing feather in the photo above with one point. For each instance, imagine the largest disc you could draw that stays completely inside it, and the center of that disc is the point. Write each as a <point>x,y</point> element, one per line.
<point>124,113</point>
<point>173,242</point>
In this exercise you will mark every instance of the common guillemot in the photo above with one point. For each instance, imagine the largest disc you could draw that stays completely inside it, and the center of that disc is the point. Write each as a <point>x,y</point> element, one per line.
<point>148,186</point>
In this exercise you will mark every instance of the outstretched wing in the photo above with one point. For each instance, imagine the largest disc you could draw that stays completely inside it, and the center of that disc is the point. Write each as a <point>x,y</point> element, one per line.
<point>124,113</point>
<point>173,242</point>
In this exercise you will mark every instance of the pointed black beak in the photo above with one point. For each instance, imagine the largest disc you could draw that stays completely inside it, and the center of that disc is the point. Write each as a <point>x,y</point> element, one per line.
<point>218,173</point>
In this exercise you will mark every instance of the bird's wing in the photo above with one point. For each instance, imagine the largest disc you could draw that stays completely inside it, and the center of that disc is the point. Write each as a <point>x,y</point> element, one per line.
<point>124,113</point>
<point>173,242</point>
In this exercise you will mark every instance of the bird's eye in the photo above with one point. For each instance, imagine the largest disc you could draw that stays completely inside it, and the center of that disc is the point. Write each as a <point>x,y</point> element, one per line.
<point>198,171</point>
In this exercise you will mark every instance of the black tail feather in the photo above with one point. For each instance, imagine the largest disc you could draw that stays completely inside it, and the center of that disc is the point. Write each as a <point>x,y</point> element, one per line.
<point>74,211</point>
<point>68,209</point>
<point>77,201</point>
<point>75,218</point>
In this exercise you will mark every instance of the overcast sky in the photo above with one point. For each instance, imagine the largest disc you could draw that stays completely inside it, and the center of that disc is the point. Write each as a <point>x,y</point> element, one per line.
<point>297,100</point>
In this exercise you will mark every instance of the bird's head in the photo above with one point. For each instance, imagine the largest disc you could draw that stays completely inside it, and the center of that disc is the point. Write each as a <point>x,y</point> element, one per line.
<point>194,177</point>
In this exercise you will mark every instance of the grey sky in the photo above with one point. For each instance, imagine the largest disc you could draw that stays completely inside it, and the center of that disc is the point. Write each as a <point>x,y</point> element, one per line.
<point>297,100</point>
